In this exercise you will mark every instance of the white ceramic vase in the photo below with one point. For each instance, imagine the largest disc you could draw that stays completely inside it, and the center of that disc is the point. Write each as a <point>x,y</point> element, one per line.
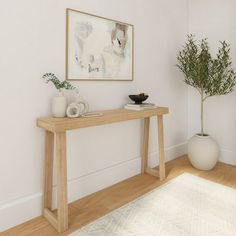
<point>203,152</point>
<point>59,105</point>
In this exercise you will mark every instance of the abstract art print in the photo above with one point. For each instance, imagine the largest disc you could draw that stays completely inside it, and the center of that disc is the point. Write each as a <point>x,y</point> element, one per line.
<point>98,48</point>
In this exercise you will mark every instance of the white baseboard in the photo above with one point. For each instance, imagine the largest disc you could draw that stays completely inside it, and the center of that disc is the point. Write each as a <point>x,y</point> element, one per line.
<point>26,208</point>
<point>228,157</point>
<point>21,210</point>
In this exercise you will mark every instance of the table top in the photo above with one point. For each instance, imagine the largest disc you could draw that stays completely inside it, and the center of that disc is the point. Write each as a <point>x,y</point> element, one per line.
<point>109,116</point>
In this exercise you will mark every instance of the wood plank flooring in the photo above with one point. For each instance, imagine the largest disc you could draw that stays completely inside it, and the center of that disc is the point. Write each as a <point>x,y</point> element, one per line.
<point>98,204</point>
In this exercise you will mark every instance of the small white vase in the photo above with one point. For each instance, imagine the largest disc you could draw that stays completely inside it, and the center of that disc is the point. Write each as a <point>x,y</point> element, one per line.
<point>203,152</point>
<point>59,105</point>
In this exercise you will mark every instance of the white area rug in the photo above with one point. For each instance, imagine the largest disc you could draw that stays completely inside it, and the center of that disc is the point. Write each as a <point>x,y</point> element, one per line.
<point>185,206</point>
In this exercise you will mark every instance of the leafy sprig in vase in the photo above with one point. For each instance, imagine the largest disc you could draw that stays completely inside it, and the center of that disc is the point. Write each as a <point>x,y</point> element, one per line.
<point>59,103</point>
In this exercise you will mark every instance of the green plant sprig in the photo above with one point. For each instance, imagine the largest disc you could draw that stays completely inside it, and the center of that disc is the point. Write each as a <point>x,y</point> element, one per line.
<point>59,85</point>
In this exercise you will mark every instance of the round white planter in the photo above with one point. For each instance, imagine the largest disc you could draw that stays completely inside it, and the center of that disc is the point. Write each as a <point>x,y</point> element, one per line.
<point>59,105</point>
<point>203,152</point>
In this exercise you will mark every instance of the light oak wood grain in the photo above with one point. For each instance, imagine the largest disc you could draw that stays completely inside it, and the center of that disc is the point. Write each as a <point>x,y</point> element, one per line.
<point>161,147</point>
<point>60,125</point>
<point>62,211</point>
<point>108,117</point>
<point>92,207</point>
<point>153,172</point>
<point>51,217</point>
<point>59,220</point>
<point>145,144</point>
<point>48,170</point>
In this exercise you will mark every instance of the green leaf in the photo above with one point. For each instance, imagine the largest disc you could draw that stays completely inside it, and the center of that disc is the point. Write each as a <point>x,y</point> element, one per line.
<point>50,77</point>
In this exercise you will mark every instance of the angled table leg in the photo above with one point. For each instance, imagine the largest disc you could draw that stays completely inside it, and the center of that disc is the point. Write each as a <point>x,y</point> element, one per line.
<point>59,220</point>
<point>144,163</point>
<point>62,211</point>
<point>161,147</point>
<point>48,170</point>
<point>144,167</point>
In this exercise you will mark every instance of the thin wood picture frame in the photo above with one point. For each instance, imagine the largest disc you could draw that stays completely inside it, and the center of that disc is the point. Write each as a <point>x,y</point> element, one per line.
<point>98,48</point>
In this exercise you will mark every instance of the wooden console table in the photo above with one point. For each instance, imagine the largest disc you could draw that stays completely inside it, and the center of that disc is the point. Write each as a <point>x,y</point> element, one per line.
<point>55,128</point>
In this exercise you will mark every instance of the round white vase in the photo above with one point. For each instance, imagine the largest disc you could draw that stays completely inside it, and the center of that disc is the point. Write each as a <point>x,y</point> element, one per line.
<point>203,152</point>
<point>59,106</point>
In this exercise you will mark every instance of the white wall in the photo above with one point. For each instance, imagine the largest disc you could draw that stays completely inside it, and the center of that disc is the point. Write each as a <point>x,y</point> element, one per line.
<point>32,43</point>
<point>215,19</point>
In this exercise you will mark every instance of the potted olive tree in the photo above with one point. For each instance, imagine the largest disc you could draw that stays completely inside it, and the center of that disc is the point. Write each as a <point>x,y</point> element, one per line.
<point>211,76</point>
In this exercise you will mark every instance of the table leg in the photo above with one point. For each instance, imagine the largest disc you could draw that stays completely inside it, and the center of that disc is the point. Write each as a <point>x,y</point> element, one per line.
<point>62,211</point>
<point>48,170</point>
<point>161,147</point>
<point>145,145</point>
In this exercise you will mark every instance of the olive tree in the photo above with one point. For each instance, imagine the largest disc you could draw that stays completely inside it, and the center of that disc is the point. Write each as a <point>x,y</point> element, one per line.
<point>210,75</point>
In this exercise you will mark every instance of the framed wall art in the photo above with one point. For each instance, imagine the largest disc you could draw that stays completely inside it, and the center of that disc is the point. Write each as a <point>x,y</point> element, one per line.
<point>98,48</point>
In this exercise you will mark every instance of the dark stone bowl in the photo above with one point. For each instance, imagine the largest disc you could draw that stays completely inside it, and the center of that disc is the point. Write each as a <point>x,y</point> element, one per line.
<point>139,98</point>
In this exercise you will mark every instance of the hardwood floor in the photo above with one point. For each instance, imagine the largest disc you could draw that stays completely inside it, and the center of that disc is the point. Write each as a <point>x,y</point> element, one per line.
<point>98,204</point>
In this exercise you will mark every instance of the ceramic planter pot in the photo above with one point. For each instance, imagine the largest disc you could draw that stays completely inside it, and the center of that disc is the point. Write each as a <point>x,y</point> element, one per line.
<point>203,152</point>
<point>59,105</point>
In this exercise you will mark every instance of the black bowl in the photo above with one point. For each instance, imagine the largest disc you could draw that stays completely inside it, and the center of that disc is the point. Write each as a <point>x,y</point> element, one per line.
<point>139,98</point>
